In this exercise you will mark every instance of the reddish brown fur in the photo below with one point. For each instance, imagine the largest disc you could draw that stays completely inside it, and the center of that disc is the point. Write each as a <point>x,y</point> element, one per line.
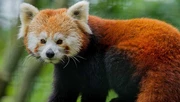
<point>66,49</point>
<point>154,47</point>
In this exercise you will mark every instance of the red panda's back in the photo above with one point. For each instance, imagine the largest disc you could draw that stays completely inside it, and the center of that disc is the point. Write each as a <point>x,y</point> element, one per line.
<point>151,38</point>
<point>149,29</point>
<point>148,40</point>
<point>117,31</point>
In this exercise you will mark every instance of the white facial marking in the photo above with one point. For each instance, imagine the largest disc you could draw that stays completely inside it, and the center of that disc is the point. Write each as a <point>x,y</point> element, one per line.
<point>74,43</point>
<point>32,41</point>
<point>58,36</point>
<point>43,35</point>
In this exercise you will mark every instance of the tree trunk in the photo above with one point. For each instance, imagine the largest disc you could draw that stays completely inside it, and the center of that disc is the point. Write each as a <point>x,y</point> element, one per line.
<point>13,53</point>
<point>32,71</point>
<point>11,58</point>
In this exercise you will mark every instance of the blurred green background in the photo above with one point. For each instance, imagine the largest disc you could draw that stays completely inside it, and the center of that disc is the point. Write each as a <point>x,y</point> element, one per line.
<point>24,79</point>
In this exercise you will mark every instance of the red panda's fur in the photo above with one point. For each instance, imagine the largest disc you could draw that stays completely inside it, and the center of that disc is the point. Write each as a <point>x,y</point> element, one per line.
<point>126,49</point>
<point>153,46</point>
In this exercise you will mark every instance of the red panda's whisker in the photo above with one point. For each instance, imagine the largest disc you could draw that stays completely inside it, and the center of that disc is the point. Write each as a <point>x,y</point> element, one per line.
<point>81,57</point>
<point>67,63</point>
<point>74,61</point>
<point>62,60</point>
<point>28,58</point>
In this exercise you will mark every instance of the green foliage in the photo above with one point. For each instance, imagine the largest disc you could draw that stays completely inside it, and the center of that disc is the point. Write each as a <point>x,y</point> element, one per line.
<point>167,10</point>
<point>41,4</point>
<point>43,85</point>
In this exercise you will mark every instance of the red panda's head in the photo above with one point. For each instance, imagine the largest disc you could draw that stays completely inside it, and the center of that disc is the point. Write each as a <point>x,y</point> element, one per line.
<point>55,34</point>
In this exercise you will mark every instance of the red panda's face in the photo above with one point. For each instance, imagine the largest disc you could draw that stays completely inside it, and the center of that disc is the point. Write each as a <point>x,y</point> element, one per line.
<point>54,34</point>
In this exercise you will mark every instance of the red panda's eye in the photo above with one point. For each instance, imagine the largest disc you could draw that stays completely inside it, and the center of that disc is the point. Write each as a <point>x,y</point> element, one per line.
<point>59,41</point>
<point>43,41</point>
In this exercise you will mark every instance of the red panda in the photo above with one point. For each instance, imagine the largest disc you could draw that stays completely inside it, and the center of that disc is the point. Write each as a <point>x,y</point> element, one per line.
<point>138,58</point>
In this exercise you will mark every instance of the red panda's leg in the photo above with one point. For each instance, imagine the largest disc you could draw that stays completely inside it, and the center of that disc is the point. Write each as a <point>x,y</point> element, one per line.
<point>120,75</point>
<point>66,85</point>
<point>160,85</point>
<point>95,85</point>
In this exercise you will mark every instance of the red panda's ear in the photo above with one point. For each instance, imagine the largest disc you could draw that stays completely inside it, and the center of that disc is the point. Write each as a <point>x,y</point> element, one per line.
<point>80,12</point>
<point>27,12</point>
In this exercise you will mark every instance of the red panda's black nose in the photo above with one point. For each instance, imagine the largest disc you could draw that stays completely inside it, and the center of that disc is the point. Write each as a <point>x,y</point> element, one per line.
<point>50,53</point>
